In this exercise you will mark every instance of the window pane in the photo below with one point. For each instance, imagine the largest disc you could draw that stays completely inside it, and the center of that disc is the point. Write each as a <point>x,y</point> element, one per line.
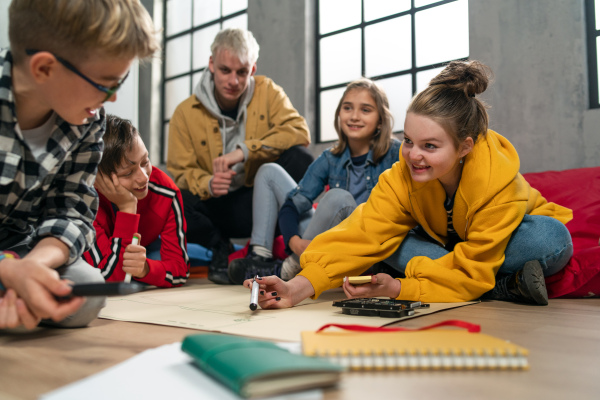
<point>178,56</point>
<point>329,102</point>
<point>379,58</point>
<point>442,33</point>
<point>232,6</point>
<point>382,8</point>
<point>206,11</point>
<point>202,41</point>
<point>127,102</point>
<point>597,8</point>
<point>338,14</point>
<point>399,93</point>
<point>176,91</point>
<point>240,21</point>
<point>178,16</point>
<point>424,77</point>
<point>340,58</point>
<point>421,3</point>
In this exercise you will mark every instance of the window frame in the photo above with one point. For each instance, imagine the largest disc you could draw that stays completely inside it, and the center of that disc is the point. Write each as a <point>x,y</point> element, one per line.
<point>592,53</point>
<point>222,19</point>
<point>413,71</point>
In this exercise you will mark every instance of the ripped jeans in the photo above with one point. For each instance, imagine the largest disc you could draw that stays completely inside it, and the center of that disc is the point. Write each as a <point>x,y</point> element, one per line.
<point>271,187</point>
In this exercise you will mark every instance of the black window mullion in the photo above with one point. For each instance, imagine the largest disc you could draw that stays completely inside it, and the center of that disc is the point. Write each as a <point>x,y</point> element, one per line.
<point>318,72</point>
<point>592,35</point>
<point>363,61</point>
<point>413,46</point>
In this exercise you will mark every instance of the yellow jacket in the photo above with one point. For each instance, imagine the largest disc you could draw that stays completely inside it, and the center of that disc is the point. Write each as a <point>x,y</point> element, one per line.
<point>490,202</point>
<point>273,125</point>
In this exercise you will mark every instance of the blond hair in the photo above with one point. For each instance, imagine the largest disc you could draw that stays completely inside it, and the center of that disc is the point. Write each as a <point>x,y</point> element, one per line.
<point>450,100</point>
<point>74,28</point>
<point>238,41</point>
<point>382,137</point>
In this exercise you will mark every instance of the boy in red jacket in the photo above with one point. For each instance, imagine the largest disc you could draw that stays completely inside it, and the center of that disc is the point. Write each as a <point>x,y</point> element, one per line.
<point>136,197</point>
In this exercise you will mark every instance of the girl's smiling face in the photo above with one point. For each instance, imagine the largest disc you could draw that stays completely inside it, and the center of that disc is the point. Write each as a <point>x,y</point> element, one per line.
<point>430,153</point>
<point>359,119</point>
<point>134,172</point>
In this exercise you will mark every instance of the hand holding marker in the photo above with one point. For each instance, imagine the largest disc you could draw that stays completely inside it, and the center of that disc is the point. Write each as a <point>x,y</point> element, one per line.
<point>135,241</point>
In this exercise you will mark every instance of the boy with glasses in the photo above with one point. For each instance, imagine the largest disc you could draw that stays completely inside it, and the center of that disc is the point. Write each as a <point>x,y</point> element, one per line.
<point>65,60</point>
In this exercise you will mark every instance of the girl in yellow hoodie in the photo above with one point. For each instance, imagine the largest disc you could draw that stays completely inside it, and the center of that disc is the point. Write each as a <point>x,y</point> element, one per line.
<point>454,221</point>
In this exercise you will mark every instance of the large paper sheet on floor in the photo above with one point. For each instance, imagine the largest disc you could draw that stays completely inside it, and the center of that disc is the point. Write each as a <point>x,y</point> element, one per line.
<point>224,308</point>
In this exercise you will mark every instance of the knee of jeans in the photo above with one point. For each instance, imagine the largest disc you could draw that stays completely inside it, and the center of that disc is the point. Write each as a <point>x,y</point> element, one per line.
<point>265,170</point>
<point>558,260</point>
<point>338,197</point>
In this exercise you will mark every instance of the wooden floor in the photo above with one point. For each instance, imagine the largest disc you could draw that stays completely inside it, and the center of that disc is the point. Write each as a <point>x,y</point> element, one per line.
<point>563,339</point>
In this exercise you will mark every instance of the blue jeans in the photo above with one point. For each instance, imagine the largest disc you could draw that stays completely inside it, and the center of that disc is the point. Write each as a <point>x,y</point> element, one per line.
<point>537,238</point>
<point>271,186</point>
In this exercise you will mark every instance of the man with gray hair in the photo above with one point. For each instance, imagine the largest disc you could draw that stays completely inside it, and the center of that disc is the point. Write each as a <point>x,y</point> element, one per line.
<point>218,138</point>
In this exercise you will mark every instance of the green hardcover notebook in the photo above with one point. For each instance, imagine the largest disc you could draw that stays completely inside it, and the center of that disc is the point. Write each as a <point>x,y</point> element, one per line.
<point>254,368</point>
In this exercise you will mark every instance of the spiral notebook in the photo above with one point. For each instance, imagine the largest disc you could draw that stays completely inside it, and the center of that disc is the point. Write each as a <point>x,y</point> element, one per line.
<point>368,348</point>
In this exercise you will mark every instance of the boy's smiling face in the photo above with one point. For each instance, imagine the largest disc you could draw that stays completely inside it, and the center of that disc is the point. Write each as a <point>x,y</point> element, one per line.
<point>70,95</point>
<point>134,172</point>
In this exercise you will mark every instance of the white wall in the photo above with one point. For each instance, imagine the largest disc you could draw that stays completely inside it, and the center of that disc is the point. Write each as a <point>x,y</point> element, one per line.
<point>127,102</point>
<point>4,23</point>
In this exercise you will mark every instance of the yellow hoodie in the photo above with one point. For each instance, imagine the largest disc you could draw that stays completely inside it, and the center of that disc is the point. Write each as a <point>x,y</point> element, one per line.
<point>490,202</point>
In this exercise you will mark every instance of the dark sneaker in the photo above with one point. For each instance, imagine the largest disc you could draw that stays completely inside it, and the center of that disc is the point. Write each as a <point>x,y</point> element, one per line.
<point>530,283</point>
<point>217,269</point>
<point>525,286</point>
<point>241,269</point>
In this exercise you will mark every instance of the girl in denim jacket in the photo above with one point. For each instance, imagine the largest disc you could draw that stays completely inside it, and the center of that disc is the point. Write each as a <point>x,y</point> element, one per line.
<point>350,169</point>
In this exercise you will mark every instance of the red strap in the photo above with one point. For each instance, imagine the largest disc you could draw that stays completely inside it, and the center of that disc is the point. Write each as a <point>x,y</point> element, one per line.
<point>362,328</point>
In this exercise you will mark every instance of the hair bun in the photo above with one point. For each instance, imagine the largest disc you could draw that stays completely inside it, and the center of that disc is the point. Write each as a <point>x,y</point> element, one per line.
<point>469,77</point>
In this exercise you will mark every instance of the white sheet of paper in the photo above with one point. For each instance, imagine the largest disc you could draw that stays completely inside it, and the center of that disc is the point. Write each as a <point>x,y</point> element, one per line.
<point>162,373</point>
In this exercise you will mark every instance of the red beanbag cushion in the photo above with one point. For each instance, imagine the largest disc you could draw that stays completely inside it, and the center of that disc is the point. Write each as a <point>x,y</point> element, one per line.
<point>579,190</point>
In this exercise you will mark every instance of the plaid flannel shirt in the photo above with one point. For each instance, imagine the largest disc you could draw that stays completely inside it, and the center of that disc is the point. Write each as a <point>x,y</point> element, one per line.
<point>53,196</point>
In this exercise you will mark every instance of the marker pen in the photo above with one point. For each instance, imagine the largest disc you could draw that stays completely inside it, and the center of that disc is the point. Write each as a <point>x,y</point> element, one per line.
<point>254,294</point>
<point>135,240</point>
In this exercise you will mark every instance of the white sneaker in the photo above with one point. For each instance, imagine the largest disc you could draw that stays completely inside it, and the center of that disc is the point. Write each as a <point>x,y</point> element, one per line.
<point>290,267</point>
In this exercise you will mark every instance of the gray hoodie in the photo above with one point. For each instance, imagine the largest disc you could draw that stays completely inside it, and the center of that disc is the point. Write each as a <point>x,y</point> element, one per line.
<point>233,133</point>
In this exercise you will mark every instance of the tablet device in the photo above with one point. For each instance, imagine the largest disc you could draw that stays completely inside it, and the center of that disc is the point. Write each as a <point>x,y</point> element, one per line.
<point>387,308</point>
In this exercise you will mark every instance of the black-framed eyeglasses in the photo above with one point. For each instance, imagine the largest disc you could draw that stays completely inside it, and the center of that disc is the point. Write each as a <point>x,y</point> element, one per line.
<point>108,90</point>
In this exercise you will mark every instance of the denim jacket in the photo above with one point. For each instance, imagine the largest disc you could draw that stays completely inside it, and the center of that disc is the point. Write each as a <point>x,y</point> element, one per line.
<point>334,171</point>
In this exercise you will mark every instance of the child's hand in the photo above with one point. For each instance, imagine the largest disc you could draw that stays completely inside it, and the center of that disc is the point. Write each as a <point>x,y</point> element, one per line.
<point>224,162</point>
<point>276,293</point>
<point>134,261</point>
<point>14,312</point>
<point>382,285</point>
<point>220,182</point>
<point>298,245</point>
<point>111,188</point>
<point>37,285</point>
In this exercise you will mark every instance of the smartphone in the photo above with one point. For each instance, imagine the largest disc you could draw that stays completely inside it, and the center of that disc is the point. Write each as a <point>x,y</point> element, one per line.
<point>374,307</point>
<point>106,289</point>
<point>359,280</point>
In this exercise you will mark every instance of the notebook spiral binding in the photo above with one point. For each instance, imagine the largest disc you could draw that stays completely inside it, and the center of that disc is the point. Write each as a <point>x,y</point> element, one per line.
<point>428,360</point>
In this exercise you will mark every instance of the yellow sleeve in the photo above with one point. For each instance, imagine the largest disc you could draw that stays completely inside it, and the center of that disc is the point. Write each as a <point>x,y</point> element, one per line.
<point>182,161</point>
<point>371,234</point>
